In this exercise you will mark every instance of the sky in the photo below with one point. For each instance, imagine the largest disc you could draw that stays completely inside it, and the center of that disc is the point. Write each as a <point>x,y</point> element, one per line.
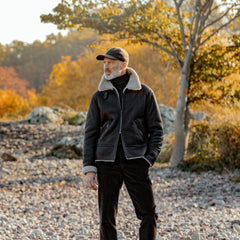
<point>20,20</point>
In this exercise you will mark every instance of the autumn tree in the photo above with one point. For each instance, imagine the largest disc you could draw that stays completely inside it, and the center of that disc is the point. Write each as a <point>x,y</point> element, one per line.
<point>72,82</point>
<point>14,106</point>
<point>178,32</point>
<point>34,61</point>
<point>69,85</point>
<point>9,80</point>
<point>16,98</point>
<point>212,66</point>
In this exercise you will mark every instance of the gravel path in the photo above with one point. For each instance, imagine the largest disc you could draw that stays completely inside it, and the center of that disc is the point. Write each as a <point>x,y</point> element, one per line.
<point>46,198</point>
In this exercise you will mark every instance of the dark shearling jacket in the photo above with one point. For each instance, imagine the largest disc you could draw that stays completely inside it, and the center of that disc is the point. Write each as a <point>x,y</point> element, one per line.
<point>136,118</point>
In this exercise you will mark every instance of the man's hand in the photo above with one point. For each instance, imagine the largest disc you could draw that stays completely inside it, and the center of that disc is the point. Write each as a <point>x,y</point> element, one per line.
<point>91,180</point>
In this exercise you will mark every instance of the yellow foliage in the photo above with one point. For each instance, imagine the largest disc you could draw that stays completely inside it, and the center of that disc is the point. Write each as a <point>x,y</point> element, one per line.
<point>221,112</point>
<point>12,105</point>
<point>72,83</point>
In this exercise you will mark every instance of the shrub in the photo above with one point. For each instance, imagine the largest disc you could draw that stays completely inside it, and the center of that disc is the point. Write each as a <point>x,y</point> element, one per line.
<point>14,106</point>
<point>213,146</point>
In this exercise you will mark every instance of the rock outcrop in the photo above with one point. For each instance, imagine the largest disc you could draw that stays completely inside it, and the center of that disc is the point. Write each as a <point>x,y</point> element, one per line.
<point>168,118</point>
<point>43,115</point>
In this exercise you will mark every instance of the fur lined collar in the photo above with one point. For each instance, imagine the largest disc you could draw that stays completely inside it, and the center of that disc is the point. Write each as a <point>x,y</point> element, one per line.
<point>133,83</point>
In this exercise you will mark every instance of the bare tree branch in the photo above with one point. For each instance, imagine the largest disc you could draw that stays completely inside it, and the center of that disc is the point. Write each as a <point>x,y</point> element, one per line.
<point>210,3</point>
<point>157,45</point>
<point>176,55</point>
<point>163,49</point>
<point>202,20</point>
<point>180,3</point>
<point>215,32</point>
<point>196,28</point>
<point>181,23</point>
<point>194,16</point>
<point>216,20</point>
<point>222,5</point>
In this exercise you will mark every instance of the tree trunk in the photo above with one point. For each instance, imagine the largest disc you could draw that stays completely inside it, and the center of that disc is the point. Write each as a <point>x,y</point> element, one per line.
<point>186,125</point>
<point>181,129</point>
<point>180,137</point>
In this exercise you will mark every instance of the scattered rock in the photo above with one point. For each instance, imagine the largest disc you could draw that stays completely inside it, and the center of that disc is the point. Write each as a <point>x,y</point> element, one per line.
<point>216,202</point>
<point>8,158</point>
<point>36,234</point>
<point>81,118</point>
<point>68,147</point>
<point>235,222</point>
<point>46,197</point>
<point>199,116</point>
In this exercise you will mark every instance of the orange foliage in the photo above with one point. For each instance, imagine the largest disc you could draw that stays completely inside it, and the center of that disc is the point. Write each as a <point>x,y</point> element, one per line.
<point>153,68</point>
<point>224,112</point>
<point>12,104</point>
<point>9,80</point>
<point>72,83</point>
<point>16,99</point>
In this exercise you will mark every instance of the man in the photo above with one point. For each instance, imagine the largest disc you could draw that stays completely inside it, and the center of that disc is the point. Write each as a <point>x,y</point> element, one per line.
<point>123,137</point>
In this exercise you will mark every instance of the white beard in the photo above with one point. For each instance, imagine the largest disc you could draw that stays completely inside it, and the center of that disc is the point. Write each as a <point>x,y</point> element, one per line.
<point>113,75</point>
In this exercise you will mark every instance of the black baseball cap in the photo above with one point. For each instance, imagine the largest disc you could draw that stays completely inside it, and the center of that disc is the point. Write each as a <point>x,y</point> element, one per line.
<point>115,53</point>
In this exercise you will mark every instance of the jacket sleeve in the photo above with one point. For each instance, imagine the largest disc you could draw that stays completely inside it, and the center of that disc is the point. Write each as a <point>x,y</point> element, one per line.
<point>91,136</point>
<point>154,128</point>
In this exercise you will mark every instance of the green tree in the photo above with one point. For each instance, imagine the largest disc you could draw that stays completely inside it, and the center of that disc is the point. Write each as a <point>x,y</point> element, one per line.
<point>181,34</point>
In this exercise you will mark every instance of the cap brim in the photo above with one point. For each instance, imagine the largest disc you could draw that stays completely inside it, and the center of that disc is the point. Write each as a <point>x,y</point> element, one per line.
<point>102,56</point>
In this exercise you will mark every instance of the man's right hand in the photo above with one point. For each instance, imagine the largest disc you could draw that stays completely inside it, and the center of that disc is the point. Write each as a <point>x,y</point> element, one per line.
<point>91,180</point>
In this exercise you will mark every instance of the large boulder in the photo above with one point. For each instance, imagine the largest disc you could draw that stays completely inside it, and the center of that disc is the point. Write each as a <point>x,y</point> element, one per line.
<point>43,115</point>
<point>56,115</point>
<point>168,118</point>
<point>199,116</point>
<point>81,118</point>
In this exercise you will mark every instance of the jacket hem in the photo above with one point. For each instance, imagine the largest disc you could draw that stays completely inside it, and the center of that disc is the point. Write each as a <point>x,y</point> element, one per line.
<point>102,160</point>
<point>150,164</point>
<point>143,158</point>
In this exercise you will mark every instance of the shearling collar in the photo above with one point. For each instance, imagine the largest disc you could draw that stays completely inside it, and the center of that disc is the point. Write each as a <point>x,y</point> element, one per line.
<point>133,83</point>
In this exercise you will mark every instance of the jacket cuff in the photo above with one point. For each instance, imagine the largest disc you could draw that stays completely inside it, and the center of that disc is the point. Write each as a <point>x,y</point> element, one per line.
<point>89,169</point>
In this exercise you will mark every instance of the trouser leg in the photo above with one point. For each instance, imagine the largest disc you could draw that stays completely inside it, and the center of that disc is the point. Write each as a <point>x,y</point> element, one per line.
<point>139,186</point>
<point>110,182</point>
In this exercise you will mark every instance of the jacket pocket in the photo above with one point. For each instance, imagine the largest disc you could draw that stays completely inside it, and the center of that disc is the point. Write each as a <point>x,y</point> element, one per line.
<point>104,127</point>
<point>139,122</point>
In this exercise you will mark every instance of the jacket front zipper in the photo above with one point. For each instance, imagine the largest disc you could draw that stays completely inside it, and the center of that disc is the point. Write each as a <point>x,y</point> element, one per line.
<point>120,129</point>
<point>121,118</point>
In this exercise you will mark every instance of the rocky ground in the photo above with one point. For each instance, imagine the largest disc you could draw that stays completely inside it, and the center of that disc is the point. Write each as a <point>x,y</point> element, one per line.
<point>45,197</point>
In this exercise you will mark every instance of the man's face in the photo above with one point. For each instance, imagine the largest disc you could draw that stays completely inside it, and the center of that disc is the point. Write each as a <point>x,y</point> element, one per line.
<point>112,68</point>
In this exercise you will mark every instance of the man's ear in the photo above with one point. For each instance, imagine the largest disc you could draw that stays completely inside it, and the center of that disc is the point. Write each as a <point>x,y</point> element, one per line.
<point>124,65</point>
